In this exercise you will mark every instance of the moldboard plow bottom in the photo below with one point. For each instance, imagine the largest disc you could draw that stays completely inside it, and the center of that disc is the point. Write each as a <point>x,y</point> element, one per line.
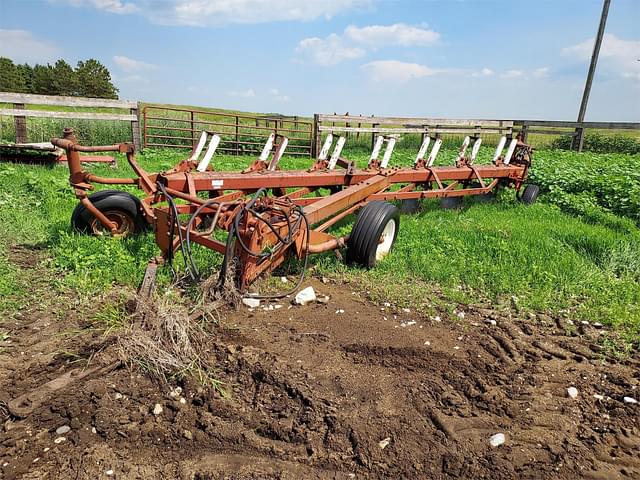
<point>271,214</point>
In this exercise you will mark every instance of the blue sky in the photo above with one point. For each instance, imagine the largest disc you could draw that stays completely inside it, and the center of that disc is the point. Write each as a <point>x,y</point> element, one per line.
<point>449,58</point>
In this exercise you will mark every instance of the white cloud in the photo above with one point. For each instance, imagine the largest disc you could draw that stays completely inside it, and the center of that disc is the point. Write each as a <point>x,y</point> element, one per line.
<point>387,35</point>
<point>354,42</point>
<point>485,72</point>
<point>327,51</point>
<point>111,6</point>
<point>276,95</point>
<point>397,71</point>
<point>250,92</point>
<point>617,56</point>
<point>130,65</point>
<point>542,72</point>
<point>512,74</point>
<point>21,46</point>
<point>220,12</point>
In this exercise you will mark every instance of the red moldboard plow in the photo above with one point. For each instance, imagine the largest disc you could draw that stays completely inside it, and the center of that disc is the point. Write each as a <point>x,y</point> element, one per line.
<point>271,214</point>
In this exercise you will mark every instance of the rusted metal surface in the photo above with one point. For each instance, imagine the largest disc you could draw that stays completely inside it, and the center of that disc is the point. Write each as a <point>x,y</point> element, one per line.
<point>271,214</point>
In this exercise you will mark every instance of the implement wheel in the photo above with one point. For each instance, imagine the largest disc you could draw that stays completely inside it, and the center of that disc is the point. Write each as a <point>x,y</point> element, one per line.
<point>530,194</point>
<point>373,234</point>
<point>120,207</point>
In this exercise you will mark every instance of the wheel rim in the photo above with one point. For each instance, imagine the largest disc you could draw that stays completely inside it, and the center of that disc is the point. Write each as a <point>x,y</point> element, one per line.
<point>386,240</point>
<point>124,223</point>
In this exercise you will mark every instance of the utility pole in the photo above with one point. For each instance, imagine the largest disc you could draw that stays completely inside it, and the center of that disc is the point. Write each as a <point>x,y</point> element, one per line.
<point>578,139</point>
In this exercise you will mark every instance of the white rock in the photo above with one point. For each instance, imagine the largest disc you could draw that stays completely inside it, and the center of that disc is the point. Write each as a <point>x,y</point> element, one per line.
<point>437,318</point>
<point>284,279</point>
<point>305,296</point>
<point>59,440</point>
<point>493,323</point>
<point>118,396</point>
<point>572,392</point>
<point>386,304</point>
<point>93,430</point>
<point>339,311</point>
<point>251,302</point>
<point>109,473</point>
<point>460,315</point>
<point>406,310</point>
<point>323,299</point>
<point>427,343</point>
<point>630,400</point>
<point>183,400</point>
<point>383,443</point>
<point>62,430</point>
<point>597,396</point>
<point>497,439</point>
<point>157,410</point>
<point>456,348</point>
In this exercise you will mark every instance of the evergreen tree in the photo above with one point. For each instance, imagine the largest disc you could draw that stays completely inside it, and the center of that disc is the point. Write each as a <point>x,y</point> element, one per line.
<point>94,80</point>
<point>64,79</point>
<point>26,72</point>
<point>43,80</point>
<point>10,78</point>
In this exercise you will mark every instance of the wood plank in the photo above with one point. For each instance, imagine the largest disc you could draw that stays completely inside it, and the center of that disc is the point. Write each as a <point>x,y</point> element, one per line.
<point>414,120</point>
<point>32,99</point>
<point>430,130</point>
<point>562,124</point>
<point>13,112</point>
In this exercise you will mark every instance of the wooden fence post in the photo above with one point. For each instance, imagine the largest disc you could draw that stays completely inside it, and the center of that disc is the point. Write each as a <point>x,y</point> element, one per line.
<point>20,124</point>
<point>135,129</point>
<point>315,136</point>
<point>237,139</point>
<point>193,132</point>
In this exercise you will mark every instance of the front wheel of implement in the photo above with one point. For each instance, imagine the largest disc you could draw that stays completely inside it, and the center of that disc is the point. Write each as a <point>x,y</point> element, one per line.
<point>373,234</point>
<point>530,194</point>
<point>119,207</point>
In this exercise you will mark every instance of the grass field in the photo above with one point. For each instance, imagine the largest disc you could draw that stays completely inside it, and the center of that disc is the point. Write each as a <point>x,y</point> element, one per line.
<point>576,253</point>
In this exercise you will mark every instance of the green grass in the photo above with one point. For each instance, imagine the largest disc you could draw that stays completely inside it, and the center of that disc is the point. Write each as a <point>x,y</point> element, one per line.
<point>551,261</point>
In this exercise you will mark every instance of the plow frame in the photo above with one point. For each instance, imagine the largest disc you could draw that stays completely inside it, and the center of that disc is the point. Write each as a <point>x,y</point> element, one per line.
<point>270,213</point>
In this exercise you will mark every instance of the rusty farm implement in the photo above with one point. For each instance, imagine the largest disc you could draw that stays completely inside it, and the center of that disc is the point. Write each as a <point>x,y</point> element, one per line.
<point>271,214</point>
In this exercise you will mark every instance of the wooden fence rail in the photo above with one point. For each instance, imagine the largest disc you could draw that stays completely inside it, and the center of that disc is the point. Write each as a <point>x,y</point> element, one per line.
<point>20,113</point>
<point>376,125</point>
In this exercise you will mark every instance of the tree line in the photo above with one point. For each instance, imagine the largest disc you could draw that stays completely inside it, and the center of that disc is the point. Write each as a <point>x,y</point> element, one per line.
<point>88,79</point>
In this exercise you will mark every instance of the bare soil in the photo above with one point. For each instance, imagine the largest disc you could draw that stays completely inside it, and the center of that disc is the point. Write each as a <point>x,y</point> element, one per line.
<point>311,393</point>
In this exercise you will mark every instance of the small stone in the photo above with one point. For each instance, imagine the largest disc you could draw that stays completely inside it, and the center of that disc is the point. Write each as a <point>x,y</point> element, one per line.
<point>427,343</point>
<point>572,392</point>
<point>456,347</point>
<point>437,318</point>
<point>46,449</point>
<point>386,304</point>
<point>597,325</point>
<point>187,434</point>
<point>36,459</point>
<point>630,400</point>
<point>183,400</point>
<point>323,299</point>
<point>597,396</point>
<point>62,430</point>
<point>284,279</point>
<point>305,296</point>
<point>5,464</point>
<point>251,302</point>
<point>493,323</point>
<point>406,310</point>
<point>157,410</point>
<point>109,473</point>
<point>93,430</point>
<point>460,315</point>
<point>325,280</point>
<point>59,440</point>
<point>339,311</point>
<point>118,396</point>
<point>497,439</point>
<point>383,443</point>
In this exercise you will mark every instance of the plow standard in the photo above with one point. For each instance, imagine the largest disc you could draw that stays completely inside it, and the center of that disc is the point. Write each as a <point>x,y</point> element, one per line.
<point>271,214</point>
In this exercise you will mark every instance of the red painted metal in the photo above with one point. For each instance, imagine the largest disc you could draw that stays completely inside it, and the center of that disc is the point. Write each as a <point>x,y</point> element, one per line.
<point>290,218</point>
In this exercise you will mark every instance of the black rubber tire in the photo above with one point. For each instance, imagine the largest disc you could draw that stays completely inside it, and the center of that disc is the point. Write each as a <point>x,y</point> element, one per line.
<point>367,231</point>
<point>530,194</point>
<point>116,201</point>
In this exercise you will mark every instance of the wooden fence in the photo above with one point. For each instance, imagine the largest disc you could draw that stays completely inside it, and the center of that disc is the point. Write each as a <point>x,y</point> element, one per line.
<point>358,126</point>
<point>20,113</point>
<point>241,133</point>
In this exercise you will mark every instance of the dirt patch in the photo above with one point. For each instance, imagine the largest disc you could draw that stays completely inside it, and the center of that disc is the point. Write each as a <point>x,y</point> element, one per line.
<point>349,389</point>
